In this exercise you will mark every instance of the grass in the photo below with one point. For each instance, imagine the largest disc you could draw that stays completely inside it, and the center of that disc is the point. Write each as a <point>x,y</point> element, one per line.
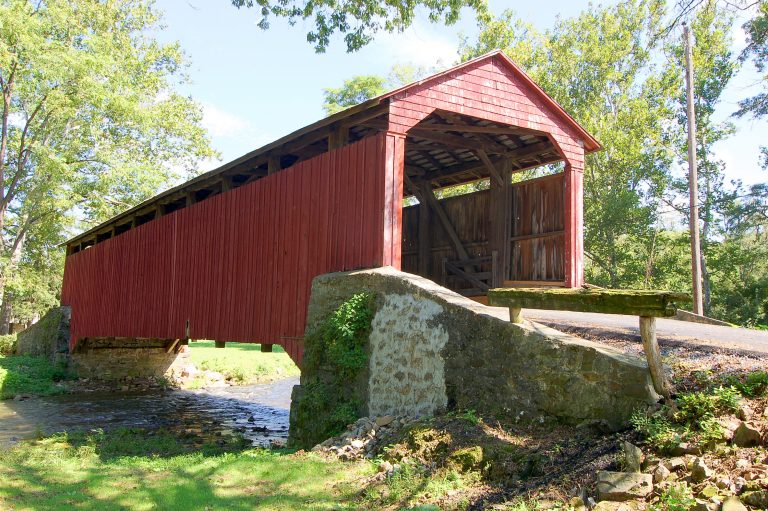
<point>242,363</point>
<point>133,470</point>
<point>26,375</point>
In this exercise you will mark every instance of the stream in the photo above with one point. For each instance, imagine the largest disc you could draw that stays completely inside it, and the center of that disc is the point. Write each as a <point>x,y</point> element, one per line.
<point>257,412</point>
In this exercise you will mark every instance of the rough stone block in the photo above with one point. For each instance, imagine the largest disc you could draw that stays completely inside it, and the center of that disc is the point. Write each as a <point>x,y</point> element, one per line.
<point>621,486</point>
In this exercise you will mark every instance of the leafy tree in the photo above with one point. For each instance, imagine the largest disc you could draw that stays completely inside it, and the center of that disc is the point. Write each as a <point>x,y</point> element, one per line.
<point>354,91</point>
<point>757,49</point>
<point>90,125</point>
<point>364,87</point>
<point>600,67</point>
<point>359,21</point>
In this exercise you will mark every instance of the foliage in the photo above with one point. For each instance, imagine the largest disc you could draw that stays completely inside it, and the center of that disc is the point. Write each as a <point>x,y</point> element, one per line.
<point>754,384</point>
<point>408,485</point>
<point>242,363</point>
<point>354,91</point>
<point>7,344</point>
<point>336,350</point>
<point>676,497</point>
<point>756,30</point>
<point>359,89</point>
<point>25,375</point>
<point>694,420</point>
<point>136,470</point>
<point>91,124</point>
<point>358,21</point>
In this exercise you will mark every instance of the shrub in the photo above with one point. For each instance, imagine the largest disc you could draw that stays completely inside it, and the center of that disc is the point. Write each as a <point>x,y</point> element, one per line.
<point>753,384</point>
<point>7,344</point>
<point>677,497</point>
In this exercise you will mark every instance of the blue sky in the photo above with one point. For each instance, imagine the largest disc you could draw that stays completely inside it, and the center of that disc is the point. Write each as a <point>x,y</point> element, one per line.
<point>256,85</point>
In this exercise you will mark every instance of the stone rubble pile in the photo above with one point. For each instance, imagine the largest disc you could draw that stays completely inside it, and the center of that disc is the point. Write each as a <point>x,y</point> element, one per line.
<point>364,438</point>
<point>714,485</point>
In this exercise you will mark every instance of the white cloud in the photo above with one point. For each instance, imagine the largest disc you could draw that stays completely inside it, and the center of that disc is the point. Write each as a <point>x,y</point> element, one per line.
<point>220,123</point>
<point>420,45</point>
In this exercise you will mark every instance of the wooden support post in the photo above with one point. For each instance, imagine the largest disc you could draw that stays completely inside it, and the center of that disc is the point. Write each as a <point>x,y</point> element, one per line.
<point>221,344</point>
<point>492,170</point>
<point>434,204</point>
<point>515,315</point>
<point>651,348</point>
<point>171,345</point>
<point>501,217</point>
<point>266,347</point>
<point>425,242</point>
<point>273,164</point>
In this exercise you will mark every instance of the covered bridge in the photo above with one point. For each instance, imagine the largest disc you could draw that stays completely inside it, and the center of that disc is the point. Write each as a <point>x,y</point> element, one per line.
<point>230,255</point>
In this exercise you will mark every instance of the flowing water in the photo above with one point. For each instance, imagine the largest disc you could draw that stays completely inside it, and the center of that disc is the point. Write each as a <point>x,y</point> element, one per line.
<point>257,412</point>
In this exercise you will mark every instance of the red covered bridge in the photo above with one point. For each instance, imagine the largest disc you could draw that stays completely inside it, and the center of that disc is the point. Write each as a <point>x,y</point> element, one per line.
<point>230,255</point>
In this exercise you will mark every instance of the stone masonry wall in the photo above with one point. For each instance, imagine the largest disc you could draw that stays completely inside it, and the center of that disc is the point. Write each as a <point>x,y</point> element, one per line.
<point>431,349</point>
<point>116,358</point>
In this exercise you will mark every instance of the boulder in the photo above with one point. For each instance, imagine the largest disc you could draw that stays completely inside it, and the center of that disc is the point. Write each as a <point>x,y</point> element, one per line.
<point>608,505</point>
<point>747,435</point>
<point>660,473</point>
<point>633,457</point>
<point>622,486</point>
<point>700,471</point>
<point>733,504</point>
<point>757,499</point>
<point>674,464</point>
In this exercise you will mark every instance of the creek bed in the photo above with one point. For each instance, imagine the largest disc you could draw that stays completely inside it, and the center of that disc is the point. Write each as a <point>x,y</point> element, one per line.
<point>257,412</point>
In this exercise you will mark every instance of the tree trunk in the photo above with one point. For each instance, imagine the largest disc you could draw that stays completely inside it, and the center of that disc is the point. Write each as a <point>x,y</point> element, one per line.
<point>6,308</point>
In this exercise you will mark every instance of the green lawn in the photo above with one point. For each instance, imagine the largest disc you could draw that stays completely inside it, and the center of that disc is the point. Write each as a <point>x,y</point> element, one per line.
<point>25,375</point>
<point>243,363</point>
<point>129,470</point>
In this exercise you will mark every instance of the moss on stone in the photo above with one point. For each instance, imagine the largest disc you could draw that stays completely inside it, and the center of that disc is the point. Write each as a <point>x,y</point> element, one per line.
<point>466,459</point>
<point>336,354</point>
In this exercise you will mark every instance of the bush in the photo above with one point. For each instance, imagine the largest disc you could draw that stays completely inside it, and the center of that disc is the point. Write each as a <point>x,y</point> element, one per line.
<point>677,497</point>
<point>753,384</point>
<point>7,344</point>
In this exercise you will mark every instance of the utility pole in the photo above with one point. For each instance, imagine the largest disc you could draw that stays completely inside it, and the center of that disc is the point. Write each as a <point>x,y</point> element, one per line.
<point>698,307</point>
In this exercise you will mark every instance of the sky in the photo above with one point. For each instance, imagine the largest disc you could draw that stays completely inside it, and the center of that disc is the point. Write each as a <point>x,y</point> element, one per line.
<point>256,86</point>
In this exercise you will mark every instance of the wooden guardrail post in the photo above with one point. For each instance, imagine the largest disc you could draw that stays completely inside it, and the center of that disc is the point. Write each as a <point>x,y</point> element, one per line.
<point>651,348</point>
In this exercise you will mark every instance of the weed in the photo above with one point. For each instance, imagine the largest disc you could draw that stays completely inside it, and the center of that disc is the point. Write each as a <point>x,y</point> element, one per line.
<point>470,416</point>
<point>677,497</point>
<point>754,384</point>
<point>657,429</point>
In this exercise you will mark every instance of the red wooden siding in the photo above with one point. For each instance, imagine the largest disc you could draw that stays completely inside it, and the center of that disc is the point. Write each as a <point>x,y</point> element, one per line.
<point>490,89</point>
<point>239,265</point>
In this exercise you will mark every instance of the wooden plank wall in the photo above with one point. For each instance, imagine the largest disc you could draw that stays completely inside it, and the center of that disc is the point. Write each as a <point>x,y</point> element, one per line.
<point>537,215</point>
<point>239,265</point>
<point>470,217</point>
<point>538,223</point>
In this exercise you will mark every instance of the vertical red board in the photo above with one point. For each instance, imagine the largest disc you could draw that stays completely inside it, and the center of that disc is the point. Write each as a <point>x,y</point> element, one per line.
<point>239,265</point>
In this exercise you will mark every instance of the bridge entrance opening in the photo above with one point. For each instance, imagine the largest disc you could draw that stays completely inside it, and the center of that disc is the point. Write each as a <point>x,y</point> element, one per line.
<point>484,205</point>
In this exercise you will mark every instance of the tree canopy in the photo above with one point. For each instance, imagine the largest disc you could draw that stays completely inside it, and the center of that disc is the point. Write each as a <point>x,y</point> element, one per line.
<point>358,21</point>
<point>91,123</point>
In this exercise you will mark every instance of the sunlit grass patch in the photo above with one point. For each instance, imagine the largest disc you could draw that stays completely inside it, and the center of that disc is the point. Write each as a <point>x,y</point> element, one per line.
<point>131,470</point>
<point>26,375</point>
<point>242,363</point>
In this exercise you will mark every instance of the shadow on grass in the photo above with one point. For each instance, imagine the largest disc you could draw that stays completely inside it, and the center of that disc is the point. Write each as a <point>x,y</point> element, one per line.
<point>129,471</point>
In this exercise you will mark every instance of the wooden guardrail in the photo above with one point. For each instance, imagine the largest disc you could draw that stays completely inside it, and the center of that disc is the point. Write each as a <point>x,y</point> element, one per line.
<point>648,305</point>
